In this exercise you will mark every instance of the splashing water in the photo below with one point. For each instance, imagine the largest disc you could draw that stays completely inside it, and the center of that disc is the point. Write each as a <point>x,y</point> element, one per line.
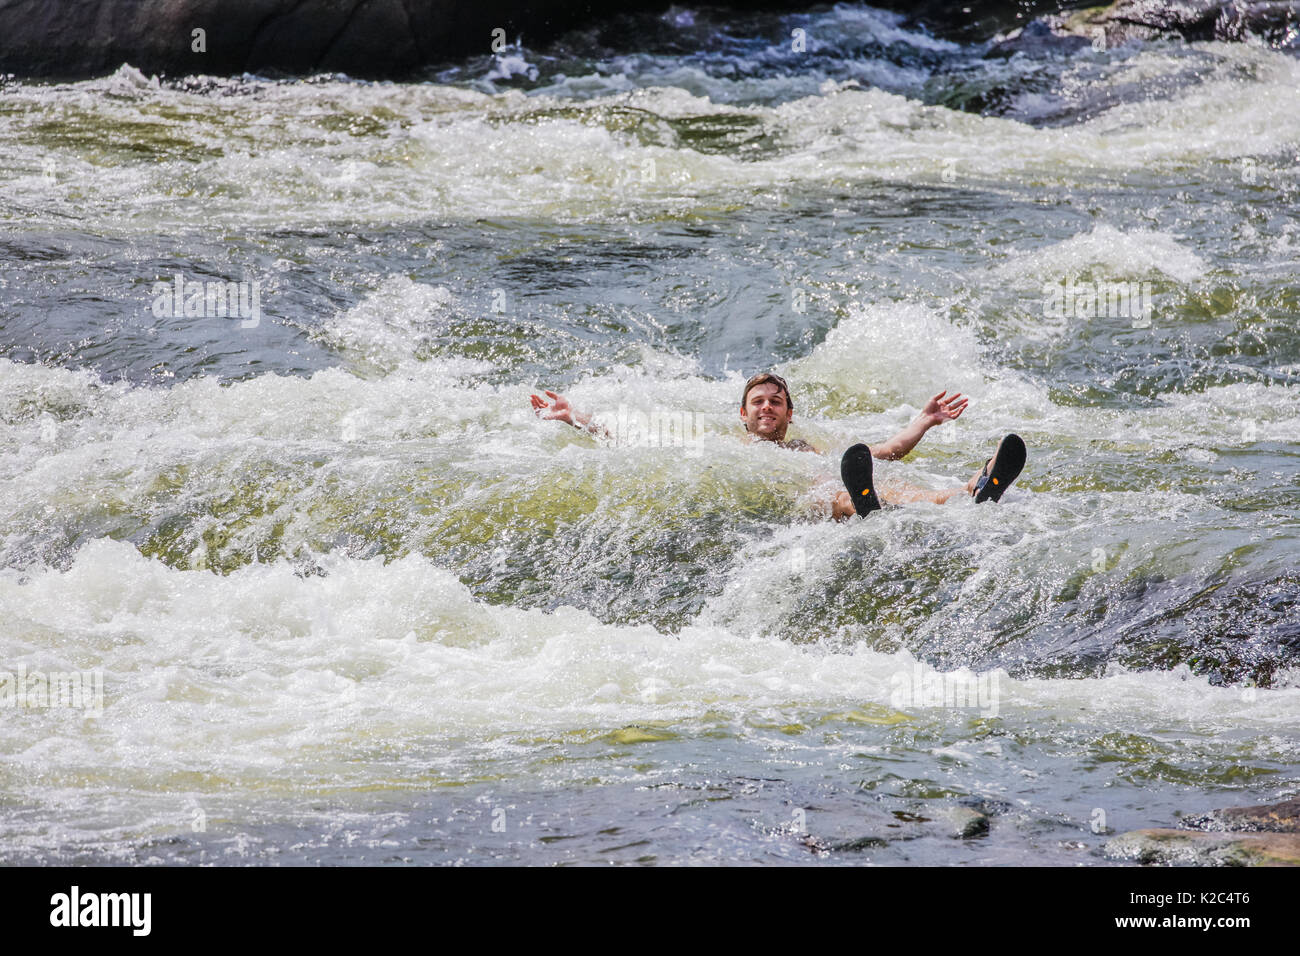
<point>351,599</point>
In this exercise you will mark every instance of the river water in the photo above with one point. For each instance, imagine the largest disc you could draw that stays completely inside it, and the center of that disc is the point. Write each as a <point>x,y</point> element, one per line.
<point>352,602</point>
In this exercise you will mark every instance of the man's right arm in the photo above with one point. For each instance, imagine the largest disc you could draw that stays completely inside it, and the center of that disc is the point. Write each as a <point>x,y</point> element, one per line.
<point>559,409</point>
<point>937,410</point>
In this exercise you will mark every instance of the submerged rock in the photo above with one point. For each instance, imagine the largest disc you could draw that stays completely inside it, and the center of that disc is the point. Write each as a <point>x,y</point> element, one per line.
<point>1037,39</point>
<point>967,823</point>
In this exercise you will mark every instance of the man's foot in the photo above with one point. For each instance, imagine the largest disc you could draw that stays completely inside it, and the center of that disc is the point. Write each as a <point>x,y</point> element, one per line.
<point>1001,470</point>
<point>855,470</point>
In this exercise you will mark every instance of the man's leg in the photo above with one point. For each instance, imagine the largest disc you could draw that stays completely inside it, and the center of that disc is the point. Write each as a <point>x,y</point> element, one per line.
<point>901,493</point>
<point>1007,461</point>
<point>842,507</point>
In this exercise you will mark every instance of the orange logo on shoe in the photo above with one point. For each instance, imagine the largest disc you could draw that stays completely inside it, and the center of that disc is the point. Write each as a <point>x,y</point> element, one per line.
<point>995,481</point>
<point>866,491</point>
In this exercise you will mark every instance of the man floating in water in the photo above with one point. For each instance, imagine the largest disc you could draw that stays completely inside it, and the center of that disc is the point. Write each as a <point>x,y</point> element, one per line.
<point>767,410</point>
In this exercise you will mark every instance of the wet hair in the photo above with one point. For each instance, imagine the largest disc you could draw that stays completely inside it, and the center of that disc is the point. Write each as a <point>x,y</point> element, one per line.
<point>764,378</point>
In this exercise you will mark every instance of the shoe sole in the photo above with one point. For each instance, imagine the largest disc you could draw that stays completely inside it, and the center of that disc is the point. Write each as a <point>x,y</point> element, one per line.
<point>856,473</point>
<point>1008,462</point>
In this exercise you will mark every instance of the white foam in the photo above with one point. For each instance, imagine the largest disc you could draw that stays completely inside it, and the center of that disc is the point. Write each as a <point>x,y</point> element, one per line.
<point>346,152</point>
<point>1110,254</point>
<point>236,668</point>
<point>388,326</point>
<point>891,358</point>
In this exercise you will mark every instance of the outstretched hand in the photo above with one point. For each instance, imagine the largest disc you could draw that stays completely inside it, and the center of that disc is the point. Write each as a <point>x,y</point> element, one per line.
<point>559,408</point>
<point>939,409</point>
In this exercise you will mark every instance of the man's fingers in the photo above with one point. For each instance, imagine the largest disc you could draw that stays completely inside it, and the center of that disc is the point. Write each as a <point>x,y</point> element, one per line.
<point>552,394</point>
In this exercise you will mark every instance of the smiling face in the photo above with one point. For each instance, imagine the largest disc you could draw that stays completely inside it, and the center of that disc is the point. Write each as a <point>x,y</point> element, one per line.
<point>766,413</point>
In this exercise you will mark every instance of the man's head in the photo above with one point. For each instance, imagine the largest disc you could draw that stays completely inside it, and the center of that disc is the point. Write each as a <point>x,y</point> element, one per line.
<point>766,408</point>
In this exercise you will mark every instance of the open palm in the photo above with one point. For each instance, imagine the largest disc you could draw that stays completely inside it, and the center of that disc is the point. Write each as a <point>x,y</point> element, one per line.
<point>558,408</point>
<point>940,409</point>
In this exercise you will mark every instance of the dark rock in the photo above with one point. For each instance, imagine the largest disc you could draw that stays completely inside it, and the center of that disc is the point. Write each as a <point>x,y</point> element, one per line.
<point>1190,19</point>
<point>858,844</point>
<point>1276,22</point>
<point>1273,21</point>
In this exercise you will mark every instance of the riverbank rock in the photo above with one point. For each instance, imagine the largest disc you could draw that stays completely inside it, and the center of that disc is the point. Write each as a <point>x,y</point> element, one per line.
<point>364,38</point>
<point>1196,848</point>
<point>397,38</point>
<point>1266,835</point>
<point>1281,817</point>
